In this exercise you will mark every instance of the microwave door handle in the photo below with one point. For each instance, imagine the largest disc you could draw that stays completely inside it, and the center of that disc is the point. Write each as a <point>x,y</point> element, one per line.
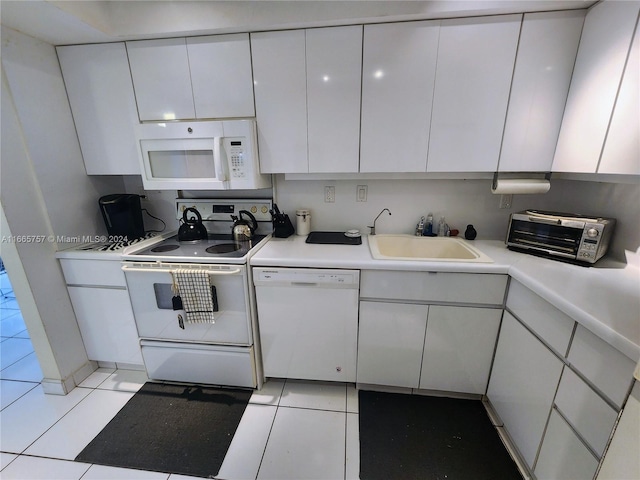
<point>219,162</point>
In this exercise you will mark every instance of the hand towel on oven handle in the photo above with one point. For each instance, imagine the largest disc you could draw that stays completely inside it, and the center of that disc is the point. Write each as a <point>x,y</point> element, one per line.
<point>195,291</point>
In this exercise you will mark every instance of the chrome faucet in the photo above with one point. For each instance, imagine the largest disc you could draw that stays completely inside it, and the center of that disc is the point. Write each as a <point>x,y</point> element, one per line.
<point>373,227</point>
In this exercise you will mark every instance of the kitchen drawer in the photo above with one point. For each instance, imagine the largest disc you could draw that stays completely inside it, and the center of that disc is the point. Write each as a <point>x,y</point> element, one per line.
<point>589,414</point>
<point>199,363</point>
<point>445,287</point>
<point>608,369</point>
<point>563,455</point>
<point>107,273</point>
<point>553,326</point>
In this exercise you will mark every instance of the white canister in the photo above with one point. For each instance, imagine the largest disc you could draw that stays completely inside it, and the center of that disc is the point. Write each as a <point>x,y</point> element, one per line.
<point>303,221</point>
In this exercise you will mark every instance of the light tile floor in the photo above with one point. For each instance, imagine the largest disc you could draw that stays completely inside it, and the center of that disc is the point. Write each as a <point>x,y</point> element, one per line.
<point>290,429</point>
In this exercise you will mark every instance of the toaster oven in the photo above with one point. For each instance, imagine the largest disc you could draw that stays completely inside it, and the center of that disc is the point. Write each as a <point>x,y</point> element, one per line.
<point>567,236</point>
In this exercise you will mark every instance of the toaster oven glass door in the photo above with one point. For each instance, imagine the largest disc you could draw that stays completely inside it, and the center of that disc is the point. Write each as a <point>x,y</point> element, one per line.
<point>561,240</point>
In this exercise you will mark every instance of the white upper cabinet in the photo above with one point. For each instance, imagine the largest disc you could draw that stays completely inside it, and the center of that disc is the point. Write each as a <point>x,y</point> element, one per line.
<point>101,96</point>
<point>221,76</point>
<point>280,88</point>
<point>475,66</point>
<point>307,91</point>
<point>398,72</point>
<point>602,55</point>
<point>334,60</point>
<point>622,148</point>
<point>161,78</point>
<point>546,55</point>
<point>201,77</point>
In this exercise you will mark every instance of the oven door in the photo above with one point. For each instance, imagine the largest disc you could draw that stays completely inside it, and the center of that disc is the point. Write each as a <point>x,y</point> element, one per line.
<point>546,237</point>
<point>149,286</point>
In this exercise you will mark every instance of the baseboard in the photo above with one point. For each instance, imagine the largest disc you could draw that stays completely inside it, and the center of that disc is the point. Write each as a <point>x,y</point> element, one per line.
<point>506,441</point>
<point>383,388</point>
<point>441,393</point>
<point>54,386</point>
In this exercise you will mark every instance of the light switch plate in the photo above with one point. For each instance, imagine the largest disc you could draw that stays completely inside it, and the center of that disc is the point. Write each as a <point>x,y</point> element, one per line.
<point>361,193</point>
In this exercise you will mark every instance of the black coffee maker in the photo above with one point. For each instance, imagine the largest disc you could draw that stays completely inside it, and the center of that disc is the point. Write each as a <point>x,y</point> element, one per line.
<point>122,215</point>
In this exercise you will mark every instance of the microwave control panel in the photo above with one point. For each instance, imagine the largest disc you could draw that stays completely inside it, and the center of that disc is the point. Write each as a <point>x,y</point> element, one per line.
<point>237,158</point>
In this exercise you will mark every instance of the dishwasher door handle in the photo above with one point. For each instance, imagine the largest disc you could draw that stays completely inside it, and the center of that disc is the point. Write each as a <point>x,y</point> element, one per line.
<point>304,284</point>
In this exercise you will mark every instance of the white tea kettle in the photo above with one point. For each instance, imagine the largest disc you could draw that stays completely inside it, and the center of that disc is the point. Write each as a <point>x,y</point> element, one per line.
<point>242,229</point>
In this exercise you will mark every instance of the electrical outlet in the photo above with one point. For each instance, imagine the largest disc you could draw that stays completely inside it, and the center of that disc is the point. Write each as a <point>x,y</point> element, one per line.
<point>361,193</point>
<point>506,201</point>
<point>329,194</point>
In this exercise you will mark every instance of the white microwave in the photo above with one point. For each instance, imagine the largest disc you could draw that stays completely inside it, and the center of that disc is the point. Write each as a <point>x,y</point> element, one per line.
<point>211,155</point>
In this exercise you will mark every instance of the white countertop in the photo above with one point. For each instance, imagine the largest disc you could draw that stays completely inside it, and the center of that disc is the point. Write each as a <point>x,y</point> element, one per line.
<point>77,252</point>
<point>604,298</point>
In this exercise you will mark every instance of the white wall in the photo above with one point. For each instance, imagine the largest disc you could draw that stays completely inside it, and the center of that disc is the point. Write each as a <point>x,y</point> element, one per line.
<point>44,190</point>
<point>40,286</point>
<point>36,85</point>
<point>462,202</point>
<point>617,200</point>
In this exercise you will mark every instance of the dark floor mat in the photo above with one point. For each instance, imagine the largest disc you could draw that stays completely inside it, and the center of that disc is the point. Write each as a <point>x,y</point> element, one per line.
<point>171,428</point>
<point>417,437</point>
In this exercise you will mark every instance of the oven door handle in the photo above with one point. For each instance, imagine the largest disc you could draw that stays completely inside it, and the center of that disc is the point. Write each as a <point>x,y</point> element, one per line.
<point>550,221</point>
<point>128,268</point>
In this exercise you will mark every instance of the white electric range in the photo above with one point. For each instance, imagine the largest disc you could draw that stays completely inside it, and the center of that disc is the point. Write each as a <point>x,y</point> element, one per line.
<point>221,352</point>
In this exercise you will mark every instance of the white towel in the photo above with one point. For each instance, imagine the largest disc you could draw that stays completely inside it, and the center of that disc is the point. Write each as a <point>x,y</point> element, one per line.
<point>194,288</point>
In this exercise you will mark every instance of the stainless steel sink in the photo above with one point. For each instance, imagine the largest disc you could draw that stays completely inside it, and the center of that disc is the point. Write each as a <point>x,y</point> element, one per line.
<point>430,249</point>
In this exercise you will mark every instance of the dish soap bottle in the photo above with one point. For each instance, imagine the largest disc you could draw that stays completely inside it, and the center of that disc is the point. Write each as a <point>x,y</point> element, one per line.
<point>428,227</point>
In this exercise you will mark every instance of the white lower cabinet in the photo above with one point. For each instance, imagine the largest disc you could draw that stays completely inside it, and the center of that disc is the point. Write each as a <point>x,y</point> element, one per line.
<point>458,348</point>
<point>106,323</point>
<point>98,293</point>
<point>446,348</point>
<point>621,460</point>
<point>587,412</point>
<point>390,343</point>
<point>563,455</point>
<point>523,384</point>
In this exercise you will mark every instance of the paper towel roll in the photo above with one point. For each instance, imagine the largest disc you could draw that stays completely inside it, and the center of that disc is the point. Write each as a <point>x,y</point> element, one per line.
<point>521,186</point>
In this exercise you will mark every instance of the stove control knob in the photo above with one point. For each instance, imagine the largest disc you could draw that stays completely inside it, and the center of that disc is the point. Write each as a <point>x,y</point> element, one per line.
<point>254,209</point>
<point>592,232</point>
<point>264,209</point>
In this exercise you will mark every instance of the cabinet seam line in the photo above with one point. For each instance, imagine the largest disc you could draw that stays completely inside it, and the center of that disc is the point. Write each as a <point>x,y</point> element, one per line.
<point>513,74</point>
<point>566,362</point>
<point>576,432</point>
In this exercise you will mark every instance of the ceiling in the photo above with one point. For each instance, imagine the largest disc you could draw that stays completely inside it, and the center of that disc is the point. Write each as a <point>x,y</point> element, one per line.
<point>63,22</point>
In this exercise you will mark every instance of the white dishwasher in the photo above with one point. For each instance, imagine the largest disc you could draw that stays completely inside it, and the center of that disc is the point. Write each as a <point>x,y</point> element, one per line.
<point>308,322</point>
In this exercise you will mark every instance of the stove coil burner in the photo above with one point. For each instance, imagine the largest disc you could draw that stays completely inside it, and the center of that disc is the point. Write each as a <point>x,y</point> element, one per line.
<point>165,248</point>
<point>224,248</point>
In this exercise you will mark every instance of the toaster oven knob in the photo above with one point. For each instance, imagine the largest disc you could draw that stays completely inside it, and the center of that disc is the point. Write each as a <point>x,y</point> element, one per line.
<point>592,232</point>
